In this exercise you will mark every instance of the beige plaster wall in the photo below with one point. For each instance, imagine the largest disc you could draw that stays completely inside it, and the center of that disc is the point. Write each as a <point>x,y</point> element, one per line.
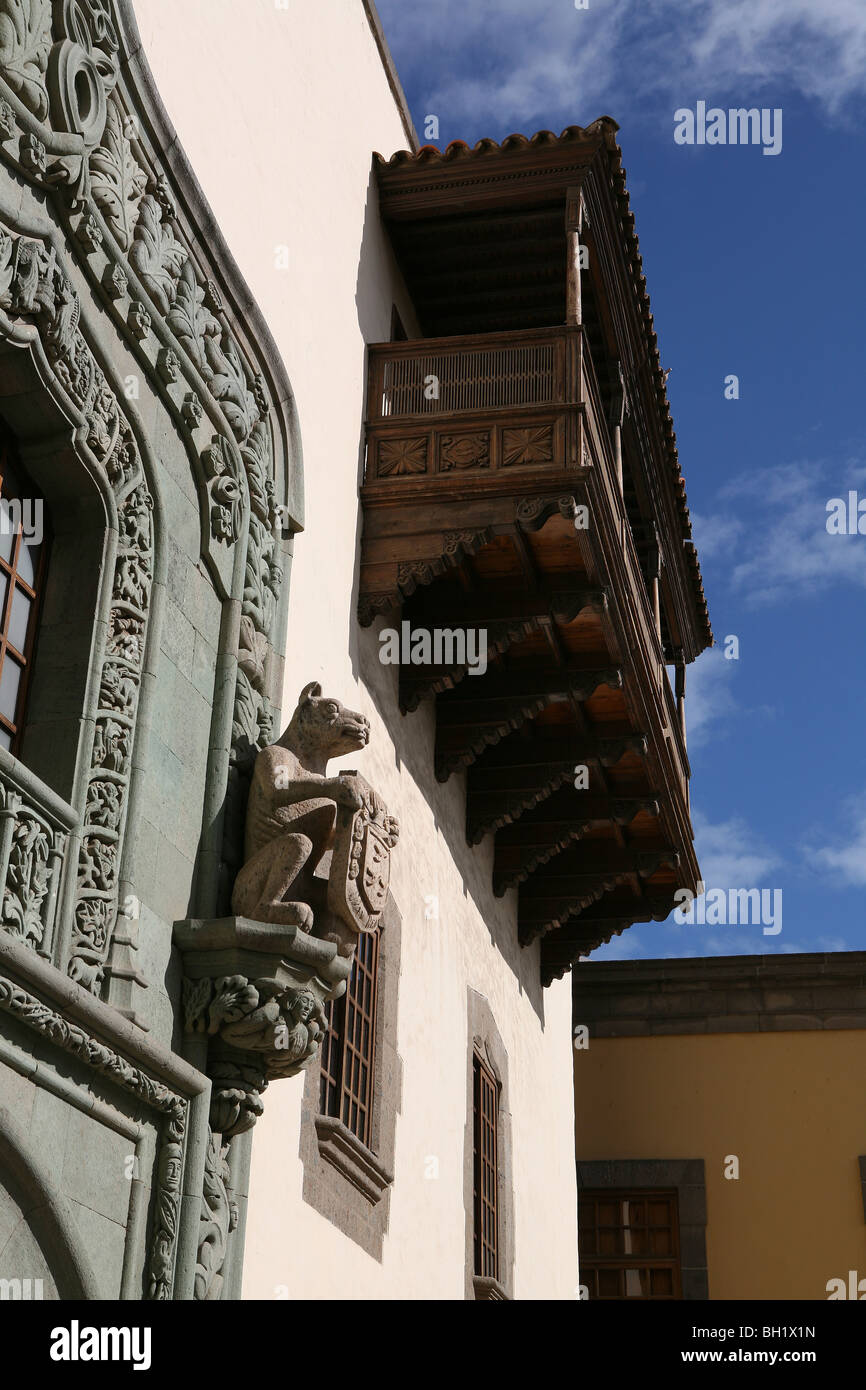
<point>788,1105</point>
<point>279,112</point>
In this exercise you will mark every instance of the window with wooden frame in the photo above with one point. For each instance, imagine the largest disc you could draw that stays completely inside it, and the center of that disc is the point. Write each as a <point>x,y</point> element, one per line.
<point>349,1046</point>
<point>629,1244</point>
<point>23,562</point>
<point>486,1168</point>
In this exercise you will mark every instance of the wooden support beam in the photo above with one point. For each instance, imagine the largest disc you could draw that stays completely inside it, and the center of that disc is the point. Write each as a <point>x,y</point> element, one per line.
<point>478,714</point>
<point>512,780</point>
<point>526,846</point>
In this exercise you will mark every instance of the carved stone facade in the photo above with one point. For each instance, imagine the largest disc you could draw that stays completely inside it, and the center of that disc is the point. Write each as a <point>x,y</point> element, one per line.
<point>144,393</point>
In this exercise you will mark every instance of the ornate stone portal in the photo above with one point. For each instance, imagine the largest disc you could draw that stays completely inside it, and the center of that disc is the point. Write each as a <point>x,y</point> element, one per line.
<point>255,984</point>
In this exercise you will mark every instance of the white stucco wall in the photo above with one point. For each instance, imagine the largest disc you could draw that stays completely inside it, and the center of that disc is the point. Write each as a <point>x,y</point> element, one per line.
<point>279,112</point>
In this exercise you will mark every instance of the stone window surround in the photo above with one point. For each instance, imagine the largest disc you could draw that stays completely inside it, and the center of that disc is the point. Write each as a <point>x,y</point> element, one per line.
<point>485,1039</point>
<point>344,1180</point>
<point>73,585</point>
<point>686,1176</point>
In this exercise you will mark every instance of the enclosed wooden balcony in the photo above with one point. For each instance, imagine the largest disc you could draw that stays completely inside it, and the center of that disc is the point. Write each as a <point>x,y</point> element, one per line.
<point>517,488</point>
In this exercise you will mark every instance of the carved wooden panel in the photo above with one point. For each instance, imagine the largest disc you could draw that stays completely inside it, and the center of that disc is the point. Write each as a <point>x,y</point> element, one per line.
<point>401,457</point>
<point>532,444</point>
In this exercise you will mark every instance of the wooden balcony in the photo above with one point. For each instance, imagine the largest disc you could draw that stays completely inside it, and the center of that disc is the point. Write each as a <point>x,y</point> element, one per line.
<point>470,500</point>
<point>504,494</point>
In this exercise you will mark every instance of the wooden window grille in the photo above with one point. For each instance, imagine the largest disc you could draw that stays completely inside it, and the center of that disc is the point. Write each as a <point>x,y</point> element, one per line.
<point>468,380</point>
<point>486,1169</point>
<point>22,575</point>
<point>629,1244</point>
<point>349,1046</point>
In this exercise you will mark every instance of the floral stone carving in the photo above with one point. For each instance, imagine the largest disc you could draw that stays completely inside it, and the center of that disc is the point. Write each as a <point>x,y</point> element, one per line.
<point>257,992</point>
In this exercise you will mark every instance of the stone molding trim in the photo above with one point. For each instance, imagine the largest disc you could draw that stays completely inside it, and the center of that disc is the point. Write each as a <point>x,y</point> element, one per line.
<point>391,73</point>
<point>67,1017</point>
<point>354,1160</point>
<point>485,1039</point>
<point>687,1177</point>
<point>344,1180</point>
<point>722,994</point>
<point>489,1290</point>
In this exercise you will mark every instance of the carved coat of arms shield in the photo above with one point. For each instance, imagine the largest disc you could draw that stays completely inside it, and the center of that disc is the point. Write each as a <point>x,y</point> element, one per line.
<point>361,863</point>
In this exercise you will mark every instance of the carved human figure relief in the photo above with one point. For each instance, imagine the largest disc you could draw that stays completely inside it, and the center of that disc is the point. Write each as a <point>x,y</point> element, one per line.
<point>296,813</point>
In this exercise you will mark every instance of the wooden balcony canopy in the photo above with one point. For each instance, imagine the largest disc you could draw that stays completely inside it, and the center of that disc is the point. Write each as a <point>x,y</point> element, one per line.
<point>522,480</point>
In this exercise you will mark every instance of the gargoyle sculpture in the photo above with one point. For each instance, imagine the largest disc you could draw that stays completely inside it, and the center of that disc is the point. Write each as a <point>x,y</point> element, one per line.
<point>294,814</point>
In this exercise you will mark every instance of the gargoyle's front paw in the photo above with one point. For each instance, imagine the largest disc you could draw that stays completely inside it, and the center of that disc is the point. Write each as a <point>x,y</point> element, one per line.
<point>290,915</point>
<point>305,916</point>
<point>346,792</point>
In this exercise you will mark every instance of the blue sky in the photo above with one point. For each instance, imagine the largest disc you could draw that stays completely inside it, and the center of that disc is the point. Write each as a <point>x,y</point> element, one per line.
<point>755,266</point>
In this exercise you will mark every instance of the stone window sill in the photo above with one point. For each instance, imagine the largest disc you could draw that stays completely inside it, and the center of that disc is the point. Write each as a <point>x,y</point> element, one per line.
<point>488,1290</point>
<point>358,1164</point>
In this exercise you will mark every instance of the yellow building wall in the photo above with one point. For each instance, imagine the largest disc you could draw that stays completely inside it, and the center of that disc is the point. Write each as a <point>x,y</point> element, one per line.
<point>791,1106</point>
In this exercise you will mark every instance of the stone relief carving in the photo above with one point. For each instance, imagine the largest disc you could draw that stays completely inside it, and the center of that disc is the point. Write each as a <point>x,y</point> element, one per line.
<point>256,984</point>
<point>25,42</point>
<point>292,817</point>
<point>27,876</point>
<point>68,123</point>
<point>219,1217</point>
<point>255,992</point>
<point>67,120</point>
<point>117,180</point>
<point>32,848</point>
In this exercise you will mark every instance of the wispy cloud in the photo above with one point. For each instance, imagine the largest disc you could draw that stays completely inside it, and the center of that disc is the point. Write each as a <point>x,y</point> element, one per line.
<point>731,854</point>
<point>710,703</point>
<point>510,63</point>
<point>769,533</point>
<point>844,864</point>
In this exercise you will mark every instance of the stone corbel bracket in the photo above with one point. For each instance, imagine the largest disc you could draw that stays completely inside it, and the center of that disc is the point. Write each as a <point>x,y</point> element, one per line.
<point>255,994</point>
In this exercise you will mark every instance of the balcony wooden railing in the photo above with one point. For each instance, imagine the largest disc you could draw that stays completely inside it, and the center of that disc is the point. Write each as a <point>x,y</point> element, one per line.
<point>466,407</point>
<point>450,376</point>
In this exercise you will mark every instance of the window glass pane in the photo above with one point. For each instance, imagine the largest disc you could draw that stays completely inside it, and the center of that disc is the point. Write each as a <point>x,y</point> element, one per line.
<point>6,534</point>
<point>10,679</point>
<point>4,585</point>
<point>5,738</point>
<point>19,618</point>
<point>28,559</point>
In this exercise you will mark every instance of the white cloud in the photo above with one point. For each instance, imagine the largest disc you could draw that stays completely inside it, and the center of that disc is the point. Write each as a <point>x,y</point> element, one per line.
<point>731,855</point>
<point>512,62</point>
<point>776,545</point>
<point>845,864</point>
<point>709,698</point>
